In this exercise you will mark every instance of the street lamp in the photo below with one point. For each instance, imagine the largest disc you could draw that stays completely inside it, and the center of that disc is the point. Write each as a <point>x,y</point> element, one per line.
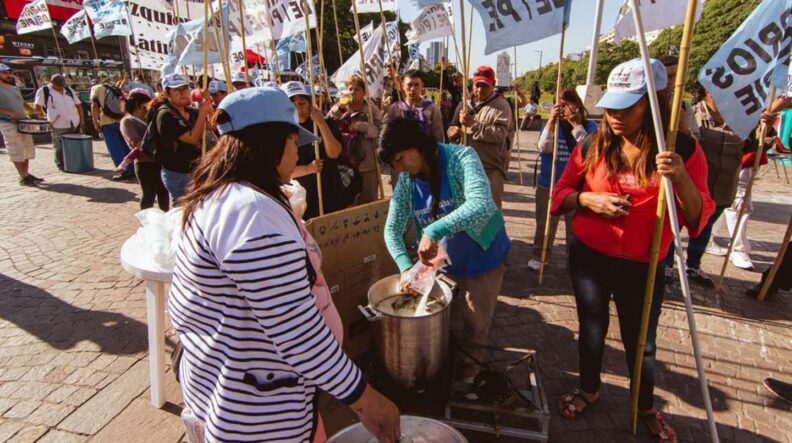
<point>540,58</point>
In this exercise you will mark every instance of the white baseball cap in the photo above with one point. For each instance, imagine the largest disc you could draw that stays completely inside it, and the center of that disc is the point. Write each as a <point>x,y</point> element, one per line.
<point>174,80</point>
<point>295,88</point>
<point>4,67</point>
<point>238,77</point>
<point>627,83</point>
<point>216,86</point>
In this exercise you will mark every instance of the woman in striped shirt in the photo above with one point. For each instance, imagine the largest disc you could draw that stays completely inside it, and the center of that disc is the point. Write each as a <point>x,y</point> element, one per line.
<point>256,348</point>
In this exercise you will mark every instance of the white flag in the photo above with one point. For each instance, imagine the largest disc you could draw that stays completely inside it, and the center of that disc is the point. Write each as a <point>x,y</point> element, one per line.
<point>366,6</point>
<point>111,19</point>
<point>152,24</point>
<point>34,17</point>
<point>76,28</point>
<point>287,17</point>
<point>656,14</point>
<point>365,33</point>
<point>374,54</point>
<point>432,23</point>
<point>510,23</point>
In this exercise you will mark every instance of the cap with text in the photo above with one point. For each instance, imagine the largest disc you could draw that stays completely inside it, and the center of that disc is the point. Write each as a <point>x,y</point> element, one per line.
<point>174,81</point>
<point>627,83</point>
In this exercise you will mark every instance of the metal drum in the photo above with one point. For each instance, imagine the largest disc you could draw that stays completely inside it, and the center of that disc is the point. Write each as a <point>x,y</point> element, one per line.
<point>413,350</point>
<point>413,429</point>
<point>33,126</point>
<point>77,153</point>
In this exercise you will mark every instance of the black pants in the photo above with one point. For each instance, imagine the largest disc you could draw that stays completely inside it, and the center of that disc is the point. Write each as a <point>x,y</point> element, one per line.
<point>783,277</point>
<point>595,277</point>
<point>148,174</point>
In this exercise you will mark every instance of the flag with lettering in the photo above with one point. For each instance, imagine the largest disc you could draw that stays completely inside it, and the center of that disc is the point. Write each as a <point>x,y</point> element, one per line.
<point>110,18</point>
<point>432,23</point>
<point>367,6</point>
<point>374,55</point>
<point>510,23</point>
<point>187,41</point>
<point>153,23</point>
<point>304,70</point>
<point>365,33</point>
<point>76,28</point>
<point>270,20</point>
<point>740,73</point>
<point>34,17</point>
<point>655,14</point>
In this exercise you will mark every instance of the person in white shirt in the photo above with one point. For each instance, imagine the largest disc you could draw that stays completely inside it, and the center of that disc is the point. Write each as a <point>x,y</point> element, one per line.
<point>64,112</point>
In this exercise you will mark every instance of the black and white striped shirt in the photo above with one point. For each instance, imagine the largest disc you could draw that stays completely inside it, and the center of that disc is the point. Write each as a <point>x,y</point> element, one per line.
<point>255,346</point>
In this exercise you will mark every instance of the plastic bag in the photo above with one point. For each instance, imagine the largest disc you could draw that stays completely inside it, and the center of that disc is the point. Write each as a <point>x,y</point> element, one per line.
<point>298,199</point>
<point>159,235</point>
<point>421,278</point>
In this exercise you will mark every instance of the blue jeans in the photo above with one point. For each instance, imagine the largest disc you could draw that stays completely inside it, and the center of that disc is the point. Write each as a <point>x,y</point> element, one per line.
<point>696,246</point>
<point>176,184</point>
<point>595,277</point>
<point>116,145</point>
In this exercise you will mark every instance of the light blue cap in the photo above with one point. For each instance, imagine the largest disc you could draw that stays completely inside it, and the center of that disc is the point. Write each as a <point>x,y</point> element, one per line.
<point>252,106</point>
<point>627,83</point>
<point>174,81</point>
<point>216,86</point>
<point>4,67</point>
<point>270,84</point>
<point>296,88</point>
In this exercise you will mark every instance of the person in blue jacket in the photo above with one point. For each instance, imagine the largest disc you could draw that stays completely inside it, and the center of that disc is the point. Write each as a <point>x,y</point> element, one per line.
<point>443,188</point>
<point>573,128</point>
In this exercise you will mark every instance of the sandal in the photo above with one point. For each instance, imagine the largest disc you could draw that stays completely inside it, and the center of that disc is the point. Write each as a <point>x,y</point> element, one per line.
<point>666,433</point>
<point>566,404</point>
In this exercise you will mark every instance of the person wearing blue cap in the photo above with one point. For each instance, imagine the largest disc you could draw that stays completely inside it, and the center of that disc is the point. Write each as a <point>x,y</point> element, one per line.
<point>258,346</point>
<point>612,182</point>
<point>218,90</point>
<point>178,131</point>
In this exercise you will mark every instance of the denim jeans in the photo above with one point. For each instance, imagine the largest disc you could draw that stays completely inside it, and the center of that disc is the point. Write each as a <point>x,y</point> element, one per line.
<point>696,246</point>
<point>116,145</point>
<point>595,277</point>
<point>176,184</point>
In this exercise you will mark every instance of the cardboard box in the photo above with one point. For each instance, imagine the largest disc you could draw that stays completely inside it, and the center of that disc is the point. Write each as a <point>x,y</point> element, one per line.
<point>354,257</point>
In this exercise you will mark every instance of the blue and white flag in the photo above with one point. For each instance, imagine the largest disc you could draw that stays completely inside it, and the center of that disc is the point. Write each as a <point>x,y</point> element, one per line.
<point>303,70</point>
<point>740,74</point>
<point>187,42</point>
<point>76,28</point>
<point>510,23</point>
<point>293,43</point>
<point>370,6</point>
<point>413,51</point>
<point>656,14</point>
<point>421,4</point>
<point>283,59</point>
<point>111,20</point>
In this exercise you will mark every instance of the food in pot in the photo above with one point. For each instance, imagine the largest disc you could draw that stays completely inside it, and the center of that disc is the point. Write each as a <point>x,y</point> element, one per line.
<point>405,305</point>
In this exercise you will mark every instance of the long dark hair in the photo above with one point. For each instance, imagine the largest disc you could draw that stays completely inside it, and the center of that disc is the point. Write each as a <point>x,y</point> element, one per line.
<point>402,134</point>
<point>607,146</point>
<point>571,96</point>
<point>134,101</point>
<point>251,154</point>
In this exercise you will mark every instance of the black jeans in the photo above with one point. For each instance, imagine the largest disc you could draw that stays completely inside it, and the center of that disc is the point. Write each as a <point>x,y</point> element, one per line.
<point>595,277</point>
<point>148,174</point>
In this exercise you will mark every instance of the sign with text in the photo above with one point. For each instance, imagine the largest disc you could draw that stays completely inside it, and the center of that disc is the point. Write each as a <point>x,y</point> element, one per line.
<point>368,6</point>
<point>76,28</point>
<point>432,23</point>
<point>510,23</point>
<point>35,17</point>
<point>152,25</point>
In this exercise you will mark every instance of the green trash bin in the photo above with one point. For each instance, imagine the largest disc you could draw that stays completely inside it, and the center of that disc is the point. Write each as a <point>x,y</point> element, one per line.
<point>77,153</point>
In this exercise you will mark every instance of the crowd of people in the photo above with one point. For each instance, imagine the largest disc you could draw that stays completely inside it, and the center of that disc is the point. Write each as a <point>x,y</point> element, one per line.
<point>250,304</point>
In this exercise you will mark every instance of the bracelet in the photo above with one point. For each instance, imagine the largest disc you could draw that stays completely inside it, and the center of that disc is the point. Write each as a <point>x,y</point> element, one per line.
<point>577,200</point>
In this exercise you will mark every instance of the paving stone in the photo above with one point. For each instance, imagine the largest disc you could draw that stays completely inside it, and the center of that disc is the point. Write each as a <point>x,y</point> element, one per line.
<point>30,434</point>
<point>9,428</point>
<point>22,409</point>
<point>49,414</point>
<point>58,436</point>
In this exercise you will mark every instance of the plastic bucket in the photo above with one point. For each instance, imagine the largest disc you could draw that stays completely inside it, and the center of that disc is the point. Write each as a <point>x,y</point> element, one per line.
<point>77,153</point>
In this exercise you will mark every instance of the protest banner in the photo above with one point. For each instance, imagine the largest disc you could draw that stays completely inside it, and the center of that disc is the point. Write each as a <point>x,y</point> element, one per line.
<point>58,9</point>
<point>656,14</point>
<point>432,23</point>
<point>365,34</point>
<point>286,15</point>
<point>510,23</point>
<point>151,26</point>
<point>740,73</point>
<point>34,17</point>
<point>305,72</point>
<point>110,18</point>
<point>374,55</point>
<point>367,6</point>
<point>76,28</point>
<point>186,42</point>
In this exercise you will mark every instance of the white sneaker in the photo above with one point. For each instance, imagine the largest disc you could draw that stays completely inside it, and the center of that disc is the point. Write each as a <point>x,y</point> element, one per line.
<point>716,249</point>
<point>741,260</point>
<point>534,264</point>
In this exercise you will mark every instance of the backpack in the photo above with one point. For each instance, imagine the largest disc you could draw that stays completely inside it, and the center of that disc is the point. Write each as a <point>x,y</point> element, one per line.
<point>113,106</point>
<point>149,144</point>
<point>47,95</point>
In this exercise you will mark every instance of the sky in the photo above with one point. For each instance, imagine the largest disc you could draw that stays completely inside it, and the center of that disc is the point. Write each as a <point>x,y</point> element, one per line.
<point>578,36</point>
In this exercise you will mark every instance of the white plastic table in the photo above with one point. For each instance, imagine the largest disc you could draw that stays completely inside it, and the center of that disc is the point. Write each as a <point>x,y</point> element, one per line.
<point>155,305</point>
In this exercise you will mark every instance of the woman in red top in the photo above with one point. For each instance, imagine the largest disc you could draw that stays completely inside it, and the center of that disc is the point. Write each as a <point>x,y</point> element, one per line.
<point>613,191</point>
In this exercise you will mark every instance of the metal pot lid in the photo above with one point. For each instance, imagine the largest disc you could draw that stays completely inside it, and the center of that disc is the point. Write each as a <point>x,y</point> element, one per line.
<point>414,430</point>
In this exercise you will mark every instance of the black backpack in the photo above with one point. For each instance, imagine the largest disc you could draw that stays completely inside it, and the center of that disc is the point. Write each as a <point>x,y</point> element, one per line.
<point>149,144</point>
<point>113,106</point>
<point>47,95</point>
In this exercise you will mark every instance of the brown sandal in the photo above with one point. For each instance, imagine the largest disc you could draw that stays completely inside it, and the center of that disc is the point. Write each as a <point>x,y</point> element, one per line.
<point>666,433</point>
<point>567,407</point>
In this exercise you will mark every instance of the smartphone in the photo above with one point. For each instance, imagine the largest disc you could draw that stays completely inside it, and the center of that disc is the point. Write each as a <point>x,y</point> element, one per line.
<point>628,198</point>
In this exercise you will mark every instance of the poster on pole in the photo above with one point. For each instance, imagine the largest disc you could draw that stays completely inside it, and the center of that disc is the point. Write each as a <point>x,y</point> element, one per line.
<point>432,23</point>
<point>740,73</point>
<point>151,25</point>
<point>510,23</point>
<point>35,17</point>
<point>110,18</point>
<point>76,28</point>
<point>288,18</point>
<point>375,54</point>
<point>370,6</point>
<point>656,14</point>
<point>365,33</point>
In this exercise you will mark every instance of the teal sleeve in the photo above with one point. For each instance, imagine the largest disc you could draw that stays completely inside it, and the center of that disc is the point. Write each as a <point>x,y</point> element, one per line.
<point>478,206</point>
<point>398,214</point>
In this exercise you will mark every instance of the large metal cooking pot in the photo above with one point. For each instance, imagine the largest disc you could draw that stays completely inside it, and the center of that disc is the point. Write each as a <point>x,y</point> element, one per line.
<point>412,350</point>
<point>414,430</point>
<point>33,126</point>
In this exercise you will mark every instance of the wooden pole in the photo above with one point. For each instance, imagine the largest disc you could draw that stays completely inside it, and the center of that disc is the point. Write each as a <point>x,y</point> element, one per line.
<point>776,264</point>
<point>205,61</point>
<point>320,49</point>
<point>241,6</point>
<point>57,45</point>
<point>222,49</point>
<point>338,35</point>
<point>746,202</point>
<point>366,87</point>
<point>673,218</point>
<point>309,50</point>
<point>225,55</point>
<point>392,73</point>
<point>555,159</point>
<point>517,122</point>
<point>464,68</point>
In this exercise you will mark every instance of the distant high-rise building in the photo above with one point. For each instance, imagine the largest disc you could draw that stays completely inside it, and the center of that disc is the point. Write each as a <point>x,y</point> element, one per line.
<point>434,52</point>
<point>503,70</point>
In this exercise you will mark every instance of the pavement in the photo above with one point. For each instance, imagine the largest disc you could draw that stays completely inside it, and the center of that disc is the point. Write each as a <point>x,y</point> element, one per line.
<point>73,346</point>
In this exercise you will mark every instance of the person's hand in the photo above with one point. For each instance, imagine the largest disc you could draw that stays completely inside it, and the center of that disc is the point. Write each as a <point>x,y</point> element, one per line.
<point>317,166</point>
<point>378,415</point>
<point>556,113</point>
<point>316,115</point>
<point>606,204</point>
<point>427,250</point>
<point>358,127</point>
<point>206,107</point>
<point>466,118</point>
<point>572,116</point>
<point>406,288</point>
<point>453,132</point>
<point>670,164</point>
